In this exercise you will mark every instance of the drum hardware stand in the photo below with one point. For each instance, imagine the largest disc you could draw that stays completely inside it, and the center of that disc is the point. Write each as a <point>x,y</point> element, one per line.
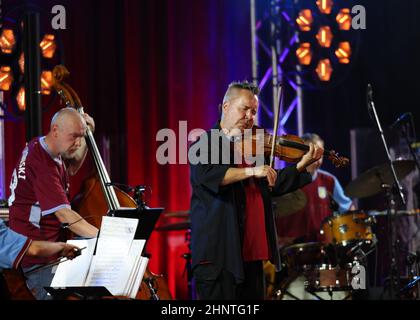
<point>407,140</point>
<point>391,201</point>
<point>188,269</point>
<point>359,253</point>
<point>413,258</point>
<point>330,292</point>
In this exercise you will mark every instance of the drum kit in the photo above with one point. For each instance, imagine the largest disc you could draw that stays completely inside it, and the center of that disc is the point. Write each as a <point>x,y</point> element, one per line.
<point>334,267</point>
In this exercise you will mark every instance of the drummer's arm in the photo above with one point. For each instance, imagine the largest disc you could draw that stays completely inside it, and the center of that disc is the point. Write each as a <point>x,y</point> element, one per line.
<point>344,202</point>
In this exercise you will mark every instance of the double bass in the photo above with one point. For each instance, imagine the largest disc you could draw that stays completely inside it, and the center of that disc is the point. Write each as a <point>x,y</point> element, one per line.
<point>98,195</point>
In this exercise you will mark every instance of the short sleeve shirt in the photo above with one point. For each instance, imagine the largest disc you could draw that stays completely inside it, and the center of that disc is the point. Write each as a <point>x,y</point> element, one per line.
<point>13,247</point>
<point>39,187</point>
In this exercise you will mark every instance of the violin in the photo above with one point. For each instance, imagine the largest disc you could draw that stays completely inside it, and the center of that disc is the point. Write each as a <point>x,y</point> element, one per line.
<point>289,148</point>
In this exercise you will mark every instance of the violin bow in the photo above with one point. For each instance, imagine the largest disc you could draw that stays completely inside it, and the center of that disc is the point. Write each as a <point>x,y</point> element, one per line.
<point>277,104</point>
<point>78,252</point>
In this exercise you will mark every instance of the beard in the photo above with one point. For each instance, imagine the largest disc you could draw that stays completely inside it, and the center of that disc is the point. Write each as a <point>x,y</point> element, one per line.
<point>244,124</point>
<point>69,154</point>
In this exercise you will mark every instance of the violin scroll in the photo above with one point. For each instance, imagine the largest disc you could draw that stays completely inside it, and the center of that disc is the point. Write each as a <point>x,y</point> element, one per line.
<point>337,161</point>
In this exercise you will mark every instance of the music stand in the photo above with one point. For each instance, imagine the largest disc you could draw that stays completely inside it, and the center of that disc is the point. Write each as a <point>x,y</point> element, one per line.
<point>147,219</point>
<point>84,293</point>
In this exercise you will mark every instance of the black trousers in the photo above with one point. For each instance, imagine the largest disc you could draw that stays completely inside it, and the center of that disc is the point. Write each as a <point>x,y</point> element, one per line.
<point>224,286</point>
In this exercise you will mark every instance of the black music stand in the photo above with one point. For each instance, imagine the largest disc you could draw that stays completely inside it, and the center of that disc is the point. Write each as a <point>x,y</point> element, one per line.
<point>84,293</point>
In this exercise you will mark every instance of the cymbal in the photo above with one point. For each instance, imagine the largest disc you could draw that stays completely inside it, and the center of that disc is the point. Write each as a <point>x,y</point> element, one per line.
<point>185,225</point>
<point>397,212</point>
<point>289,203</point>
<point>369,182</point>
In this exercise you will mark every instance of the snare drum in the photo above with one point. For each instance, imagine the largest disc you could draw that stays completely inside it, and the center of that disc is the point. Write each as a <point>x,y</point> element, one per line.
<point>348,228</point>
<point>328,278</point>
<point>295,290</point>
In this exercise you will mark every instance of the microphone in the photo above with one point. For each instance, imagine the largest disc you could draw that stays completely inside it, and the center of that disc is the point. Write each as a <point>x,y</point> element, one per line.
<point>401,120</point>
<point>369,92</point>
<point>369,101</point>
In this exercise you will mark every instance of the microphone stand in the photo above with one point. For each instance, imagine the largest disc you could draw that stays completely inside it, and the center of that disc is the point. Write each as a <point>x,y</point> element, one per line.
<point>407,140</point>
<point>390,190</point>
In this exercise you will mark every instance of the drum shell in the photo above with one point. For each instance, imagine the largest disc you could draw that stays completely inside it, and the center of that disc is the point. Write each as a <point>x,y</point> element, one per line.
<point>328,278</point>
<point>346,228</point>
<point>299,256</point>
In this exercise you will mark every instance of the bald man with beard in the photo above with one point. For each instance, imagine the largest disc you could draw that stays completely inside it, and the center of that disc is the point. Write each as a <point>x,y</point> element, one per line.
<point>39,190</point>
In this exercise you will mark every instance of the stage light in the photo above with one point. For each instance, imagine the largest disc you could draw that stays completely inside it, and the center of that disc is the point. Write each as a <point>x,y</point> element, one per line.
<point>325,6</point>
<point>46,82</point>
<point>304,53</point>
<point>304,20</point>
<point>20,99</point>
<point>344,19</point>
<point>343,52</point>
<point>7,41</point>
<point>324,36</point>
<point>324,70</point>
<point>48,46</point>
<point>6,78</point>
<point>21,63</point>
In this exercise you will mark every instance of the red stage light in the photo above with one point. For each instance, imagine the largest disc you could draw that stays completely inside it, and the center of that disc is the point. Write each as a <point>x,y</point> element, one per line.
<point>6,78</point>
<point>344,19</point>
<point>304,53</point>
<point>304,20</point>
<point>46,82</point>
<point>324,70</point>
<point>20,99</point>
<point>343,52</point>
<point>324,36</point>
<point>7,41</point>
<point>48,46</point>
<point>325,6</point>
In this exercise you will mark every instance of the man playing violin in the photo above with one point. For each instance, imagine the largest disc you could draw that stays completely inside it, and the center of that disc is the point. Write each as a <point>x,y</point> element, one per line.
<point>39,187</point>
<point>232,223</point>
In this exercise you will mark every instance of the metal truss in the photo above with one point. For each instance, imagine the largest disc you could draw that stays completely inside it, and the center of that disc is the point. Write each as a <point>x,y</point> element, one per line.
<point>273,35</point>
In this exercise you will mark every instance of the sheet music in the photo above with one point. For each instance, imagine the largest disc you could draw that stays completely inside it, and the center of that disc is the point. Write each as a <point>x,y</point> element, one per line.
<point>116,234</point>
<point>134,257</point>
<point>108,271</point>
<point>140,273</point>
<point>73,273</point>
<point>117,264</point>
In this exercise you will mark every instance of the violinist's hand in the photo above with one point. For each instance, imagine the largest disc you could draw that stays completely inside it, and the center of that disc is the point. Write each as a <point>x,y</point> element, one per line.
<point>69,251</point>
<point>89,121</point>
<point>266,171</point>
<point>314,154</point>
